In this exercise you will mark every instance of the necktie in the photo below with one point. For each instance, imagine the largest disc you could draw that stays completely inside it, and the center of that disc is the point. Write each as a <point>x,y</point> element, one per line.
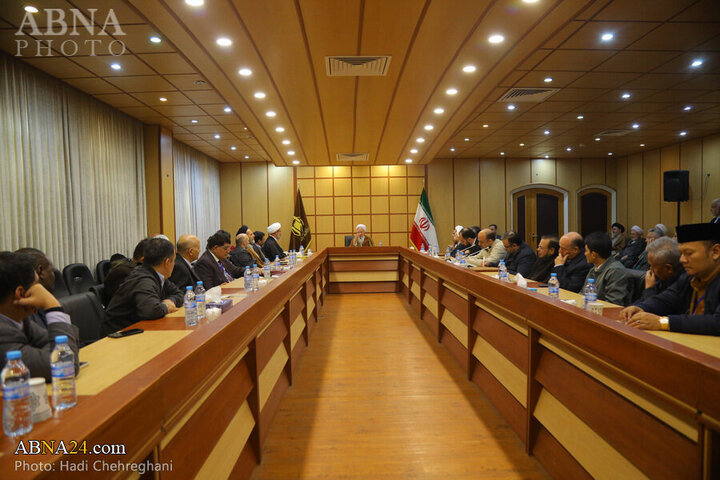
<point>228,277</point>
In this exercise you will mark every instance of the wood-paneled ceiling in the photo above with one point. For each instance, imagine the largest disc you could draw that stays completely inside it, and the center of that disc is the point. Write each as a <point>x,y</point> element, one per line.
<point>213,108</point>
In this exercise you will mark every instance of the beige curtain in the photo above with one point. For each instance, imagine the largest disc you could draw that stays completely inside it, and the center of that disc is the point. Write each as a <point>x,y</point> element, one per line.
<point>197,192</point>
<point>72,170</point>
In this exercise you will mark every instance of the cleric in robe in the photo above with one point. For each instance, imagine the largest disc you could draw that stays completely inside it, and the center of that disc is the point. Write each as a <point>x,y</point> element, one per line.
<point>271,248</point>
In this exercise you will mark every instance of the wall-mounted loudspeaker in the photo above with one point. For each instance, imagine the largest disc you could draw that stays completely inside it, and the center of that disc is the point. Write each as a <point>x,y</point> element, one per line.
<point>676,186</point>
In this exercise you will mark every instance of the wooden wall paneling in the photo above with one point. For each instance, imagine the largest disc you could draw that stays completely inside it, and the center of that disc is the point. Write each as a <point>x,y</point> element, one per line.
<point>592,171</point>
<point>711,173</point>
<point>621,172</point>
<point>466,189</point>
<point>669,160</point>
<point>167,183</point>
<point>431,286</point>
<point>269,340</point>
<point>363,287</point>
<point>569,177</point>
<point>255,197</point>
<point>280,200</point>
<point>543,171</point>
<point>440,185</point>
<point>635,197</point>
<point>493,198</point>
<point>231,197</point>
<point>364,265</point>
<point>652,192</point>
<point>691,159</point>
<point>502,337</point>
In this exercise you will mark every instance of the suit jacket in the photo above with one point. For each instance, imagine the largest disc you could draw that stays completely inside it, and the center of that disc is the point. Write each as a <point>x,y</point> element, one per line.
<point>117,276</point>
<point>715,220</point>
<point>492,254</point>
<point>183,274</point>
<point>521,261</point>
<point>675,304</point>
<point>611,282</point>
<point>140,297</point>
<point>642,262</point>
<point>259,251</point>
<point>540,271</point>
<point>660,286</point>
<point>242,258</point>
<point>271,248</point>
<point>572,274</point>
<point>36,343</point>
<point>632,251</point>
<point>207,270</point>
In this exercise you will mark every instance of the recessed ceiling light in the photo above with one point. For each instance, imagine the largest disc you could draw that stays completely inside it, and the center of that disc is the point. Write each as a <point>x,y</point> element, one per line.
<point>547,79</point>
<point>497,38</point>
<point>688,108</point>
<point>569,149</point>
<point>259,95</point>
<point>547,156</point>
<point>31,9</point>
<point>635,126</point>
<point>610,154</point>
<point>296,162</point>
<point>116,66</point>
<point>606,37</point>
<point>642,144</point>
<point>452,149</point>
<point>286,142</point>
<point>696,63</point>
<point>469,68</point>
<point>163,99</point>
<point>223,42</point>
<point>408,160</point>
<point>291,152</point>
<point>428,127</point>
<point>485,125</point>
<point>279,129</point>
<point>413,150</point>
<point>155,39</point>
<point>195,3</point>
<point>270,113</point>
<point>626,95</point>
<point>233,147</point>
<point>597,139</point>
<point>227,109</point>
<point>683,133</point>
<point>502,153</point>
<point>246,157</point>
<point>547,132</point>
<point>529,1</point>
<point>511,107</point>
<point>439,111</point>
<point>522,144</point>
<point>193,121</point>
<point>466,139</point>
<point>420,140</point>
<point>245,72</point>
<point>451,91</point>
<point>580,117</point>
<point>217,136</point>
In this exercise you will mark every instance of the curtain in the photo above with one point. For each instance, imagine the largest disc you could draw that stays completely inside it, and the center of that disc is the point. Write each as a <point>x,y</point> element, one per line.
<point>197,193</point>
<point>73,180</point>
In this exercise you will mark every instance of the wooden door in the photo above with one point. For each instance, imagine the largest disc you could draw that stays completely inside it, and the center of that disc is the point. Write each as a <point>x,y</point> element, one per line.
<point>538,212</point>
<point>594,210</point>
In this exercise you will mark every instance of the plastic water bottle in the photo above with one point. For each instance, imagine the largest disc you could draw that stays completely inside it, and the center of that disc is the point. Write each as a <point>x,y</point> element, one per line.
<point>276,264</point>
<point>191,313</point>
<point>447,254</point>
<point>502,272</point>
<point>200,300</point>
<point>266,269</point>
<point>17,418</point>
<point>422,249</point>
<point>248,279</point>
<point>590,293</point>
<point>292,258</point>
<point>62,367</point>
<point>301,251</point>
<point>554,286</point>
<point>463,260</point>
<point>255,278</point>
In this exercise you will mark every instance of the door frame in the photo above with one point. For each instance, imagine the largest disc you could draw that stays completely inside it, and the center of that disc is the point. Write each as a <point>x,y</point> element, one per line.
<point>595,186</point>
<point>532,186</point>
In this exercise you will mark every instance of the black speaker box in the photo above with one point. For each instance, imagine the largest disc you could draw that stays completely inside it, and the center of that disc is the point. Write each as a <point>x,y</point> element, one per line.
<point>676,185</point>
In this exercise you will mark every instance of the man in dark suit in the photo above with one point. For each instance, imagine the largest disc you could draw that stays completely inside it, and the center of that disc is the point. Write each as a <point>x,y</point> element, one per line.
<point>213,266</point>
<point>120,270</point>
<point>571,266</point>
<point>21,294</point>
<point>188,250</point>
<point>242,256</point>
<point>547,250</point>
<point>715,210</point>
<point>520,257</point>
<point>664,267</point>
<point>258,254</point>
<point>271,248</point>
<point>147,293</point>
<point>46,276</point>
<point>692,303</point>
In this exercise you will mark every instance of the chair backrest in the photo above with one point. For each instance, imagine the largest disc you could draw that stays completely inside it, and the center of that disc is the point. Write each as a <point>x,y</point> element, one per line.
<point>86,313</point>
<point>99,290</point>
<point>348,240</point>
<point>101,270</point>
<point>60,289</point>
<point>636,282</point>
<point>78,278</point>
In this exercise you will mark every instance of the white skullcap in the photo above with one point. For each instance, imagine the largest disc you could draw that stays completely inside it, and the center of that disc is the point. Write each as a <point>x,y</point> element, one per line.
<point>361,225</point>
<point>160,235</point>
<point>662,228</point>
<point>458,229</point>
<point>274,228</point>
<point>637,229</point>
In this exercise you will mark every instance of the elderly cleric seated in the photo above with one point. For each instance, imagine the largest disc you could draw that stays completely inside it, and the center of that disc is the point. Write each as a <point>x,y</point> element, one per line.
<point>360,239</point>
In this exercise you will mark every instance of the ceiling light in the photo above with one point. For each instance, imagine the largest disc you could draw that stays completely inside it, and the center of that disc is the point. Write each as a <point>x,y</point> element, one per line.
<point>296,162</point>
<point>642,144</point>
<point>270,114</point>
<point>246,157</point>
<point>635,126</point>
<point>193,121</point>
<point>522,144</point>
<point>569,149</point>
<point>279,129</point>
<point>688,108</point>
<point>547,156</point>
<point>485,125</point>
<point>626,95</point>
<point>502,153</point>
<point>580,117</point>
<point>597,139</point>
<point>451,91</point>
<point>245,72</point>
<point>420,140</point>
<point>227,109</point>
<point>469,68</point>
<point>259,95</point>
<point>696,63</point>
<point>496,38</point>
<point>116,66</point>
<point>606,37</point>
<point>547,132</point>
<point>31,9</point>
<point>195,3</point>
<point>286,142</point>
<point>163,99</point>
<point>223,42</point>
<point>466,139</point>
<point>155,39</point>
<point>547,79</point>
<point>428,127</point>
<point>217,136</point>
<point>413,150</point>
<point>610,154</point>
<point>683,133</point>
<point>529,1</point>
<point>291,152</point>
<point>439,111</point>
<point>408,160</point>
<point>233,147</point>
<point>452,149</point>
<point>511,107</point>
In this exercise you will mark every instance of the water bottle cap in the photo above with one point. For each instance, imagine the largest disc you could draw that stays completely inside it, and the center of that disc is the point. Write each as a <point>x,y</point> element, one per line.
<point>200,282</point>
<point>13,355</point>
<point>61,339</point>
<point>254,264</point>
<point>553,274</point>
<point>189,287</point>
<point>592,280</point>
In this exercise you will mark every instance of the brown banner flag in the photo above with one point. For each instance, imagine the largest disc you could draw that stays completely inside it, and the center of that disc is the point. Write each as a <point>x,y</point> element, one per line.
<point>300,230</point>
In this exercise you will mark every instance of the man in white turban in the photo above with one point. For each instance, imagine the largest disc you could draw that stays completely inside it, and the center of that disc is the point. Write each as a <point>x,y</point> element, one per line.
<point>360,239</point>
<point>271,248</point>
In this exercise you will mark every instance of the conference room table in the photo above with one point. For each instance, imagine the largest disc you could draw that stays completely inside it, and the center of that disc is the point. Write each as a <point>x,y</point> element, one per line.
<point>587,395</point>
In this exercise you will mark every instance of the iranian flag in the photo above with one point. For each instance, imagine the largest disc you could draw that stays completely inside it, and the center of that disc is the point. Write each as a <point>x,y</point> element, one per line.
<point>423,230</point>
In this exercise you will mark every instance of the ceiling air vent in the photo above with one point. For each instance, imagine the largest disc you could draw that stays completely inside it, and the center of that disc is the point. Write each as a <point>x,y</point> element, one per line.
<point>613,133</point>
<point>353,157</point>
<point>349,66</point>
<point>528,94</point>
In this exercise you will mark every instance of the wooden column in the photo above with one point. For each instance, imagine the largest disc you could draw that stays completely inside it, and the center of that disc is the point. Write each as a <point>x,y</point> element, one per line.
<point>159,181</point>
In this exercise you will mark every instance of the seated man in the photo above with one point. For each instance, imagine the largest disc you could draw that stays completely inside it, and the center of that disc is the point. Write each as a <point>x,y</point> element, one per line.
<point>271,248</point>
<point>468,238</point>
<point>665,266</point>
<point>360,239</point>
<point>258,254</point>
<point>21,295</point>
<point>188,250</point>
<point>493,228</point>
<point>147,293</point>
<point>619,240</point>
<point>492,250</point>
<point>520,257</point>
<point>259,238</point>
<point>547,251</point>
<point>642,262</point>
<point>242,257</point>
<point>456,240</point>
<point>213,266</point>
<point>46,276</point>
<point>635,246</point>
<point>611,281</point>
<point>122,268</point>
<point>692,303</point>
<point>571,266</point>
<point>715,210</point>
